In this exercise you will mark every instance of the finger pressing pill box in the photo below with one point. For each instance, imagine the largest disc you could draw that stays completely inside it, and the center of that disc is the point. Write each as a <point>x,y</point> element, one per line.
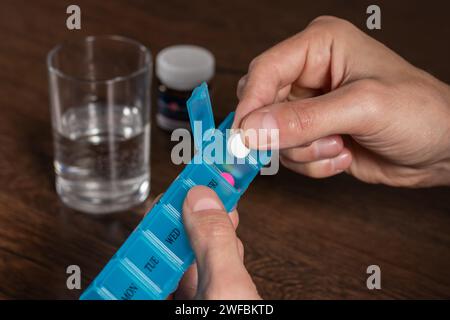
<point>155,256</point>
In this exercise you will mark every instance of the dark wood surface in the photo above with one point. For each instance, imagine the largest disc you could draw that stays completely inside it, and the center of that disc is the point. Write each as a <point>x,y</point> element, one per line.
<point>303,238</point>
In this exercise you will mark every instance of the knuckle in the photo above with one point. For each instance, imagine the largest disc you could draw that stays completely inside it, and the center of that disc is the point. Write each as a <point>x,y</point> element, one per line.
<point>325,19</point>
<point>241,85</point>
<point>331,21</point>
<point>333,25</point>
<point>298,119</point>
<point>262,63</point>
<point>213,225</point>
<point>255,63</point>
<point>242,81</point>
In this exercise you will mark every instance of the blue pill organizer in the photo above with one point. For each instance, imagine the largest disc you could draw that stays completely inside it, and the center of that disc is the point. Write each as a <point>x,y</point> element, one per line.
<point>151,262</point>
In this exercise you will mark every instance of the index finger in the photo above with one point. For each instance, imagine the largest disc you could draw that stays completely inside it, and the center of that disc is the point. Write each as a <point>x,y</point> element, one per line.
<point>268,73</point>
<point>311,59</point>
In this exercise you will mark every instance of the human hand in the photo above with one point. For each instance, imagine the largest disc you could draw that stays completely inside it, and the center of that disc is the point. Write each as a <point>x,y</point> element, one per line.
<point>344,102</point>
<point>219,271</point>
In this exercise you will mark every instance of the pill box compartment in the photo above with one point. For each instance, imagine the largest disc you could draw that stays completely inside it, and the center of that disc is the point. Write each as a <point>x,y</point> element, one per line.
<point>220,160</point>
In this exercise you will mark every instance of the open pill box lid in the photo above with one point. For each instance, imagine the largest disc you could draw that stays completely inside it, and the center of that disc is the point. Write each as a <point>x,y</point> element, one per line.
<point>201,115</point>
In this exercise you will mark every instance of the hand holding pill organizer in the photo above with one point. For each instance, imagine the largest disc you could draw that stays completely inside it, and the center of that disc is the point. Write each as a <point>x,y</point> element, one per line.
<point>151,262</point>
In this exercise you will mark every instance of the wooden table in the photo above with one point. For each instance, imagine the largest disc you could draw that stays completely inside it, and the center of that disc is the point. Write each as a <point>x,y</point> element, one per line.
<point>304,238</point>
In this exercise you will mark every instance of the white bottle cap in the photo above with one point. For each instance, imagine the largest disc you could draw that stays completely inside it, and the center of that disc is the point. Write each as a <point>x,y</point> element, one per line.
<point>183,67</point>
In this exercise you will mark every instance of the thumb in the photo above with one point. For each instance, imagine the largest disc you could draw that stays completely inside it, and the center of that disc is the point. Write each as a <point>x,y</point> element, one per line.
<point>347,110</point>
<point>221,272</point>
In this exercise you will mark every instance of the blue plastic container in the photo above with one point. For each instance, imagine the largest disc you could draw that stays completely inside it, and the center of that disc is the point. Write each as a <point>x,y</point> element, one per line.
<point>152,260</point>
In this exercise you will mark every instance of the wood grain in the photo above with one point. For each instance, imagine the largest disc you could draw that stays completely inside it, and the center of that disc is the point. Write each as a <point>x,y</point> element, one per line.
<point>303,238</point>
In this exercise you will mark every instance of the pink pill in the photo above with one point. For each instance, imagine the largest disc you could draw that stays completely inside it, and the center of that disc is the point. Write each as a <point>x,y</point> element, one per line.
<point>228,177</point>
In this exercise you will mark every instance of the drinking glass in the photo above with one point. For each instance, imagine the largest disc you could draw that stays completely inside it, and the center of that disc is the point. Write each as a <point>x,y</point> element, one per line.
<point>100,107</point>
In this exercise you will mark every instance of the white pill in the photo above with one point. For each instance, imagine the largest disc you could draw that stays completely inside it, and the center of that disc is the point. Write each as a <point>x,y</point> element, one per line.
<point>237,147</point>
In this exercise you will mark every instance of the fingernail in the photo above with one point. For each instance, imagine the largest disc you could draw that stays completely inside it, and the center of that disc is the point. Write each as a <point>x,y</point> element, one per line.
<point>260,129</point>
<point>198,200</point>
<point>259,120</point>
<point>327,147</point>
<point>341,162</point>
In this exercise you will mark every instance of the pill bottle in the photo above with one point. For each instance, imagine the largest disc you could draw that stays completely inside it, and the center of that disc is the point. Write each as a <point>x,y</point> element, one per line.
<point>179,69</point>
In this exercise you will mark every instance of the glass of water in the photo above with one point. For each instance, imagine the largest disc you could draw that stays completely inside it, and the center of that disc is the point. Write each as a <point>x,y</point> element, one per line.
<point>100,107</point>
